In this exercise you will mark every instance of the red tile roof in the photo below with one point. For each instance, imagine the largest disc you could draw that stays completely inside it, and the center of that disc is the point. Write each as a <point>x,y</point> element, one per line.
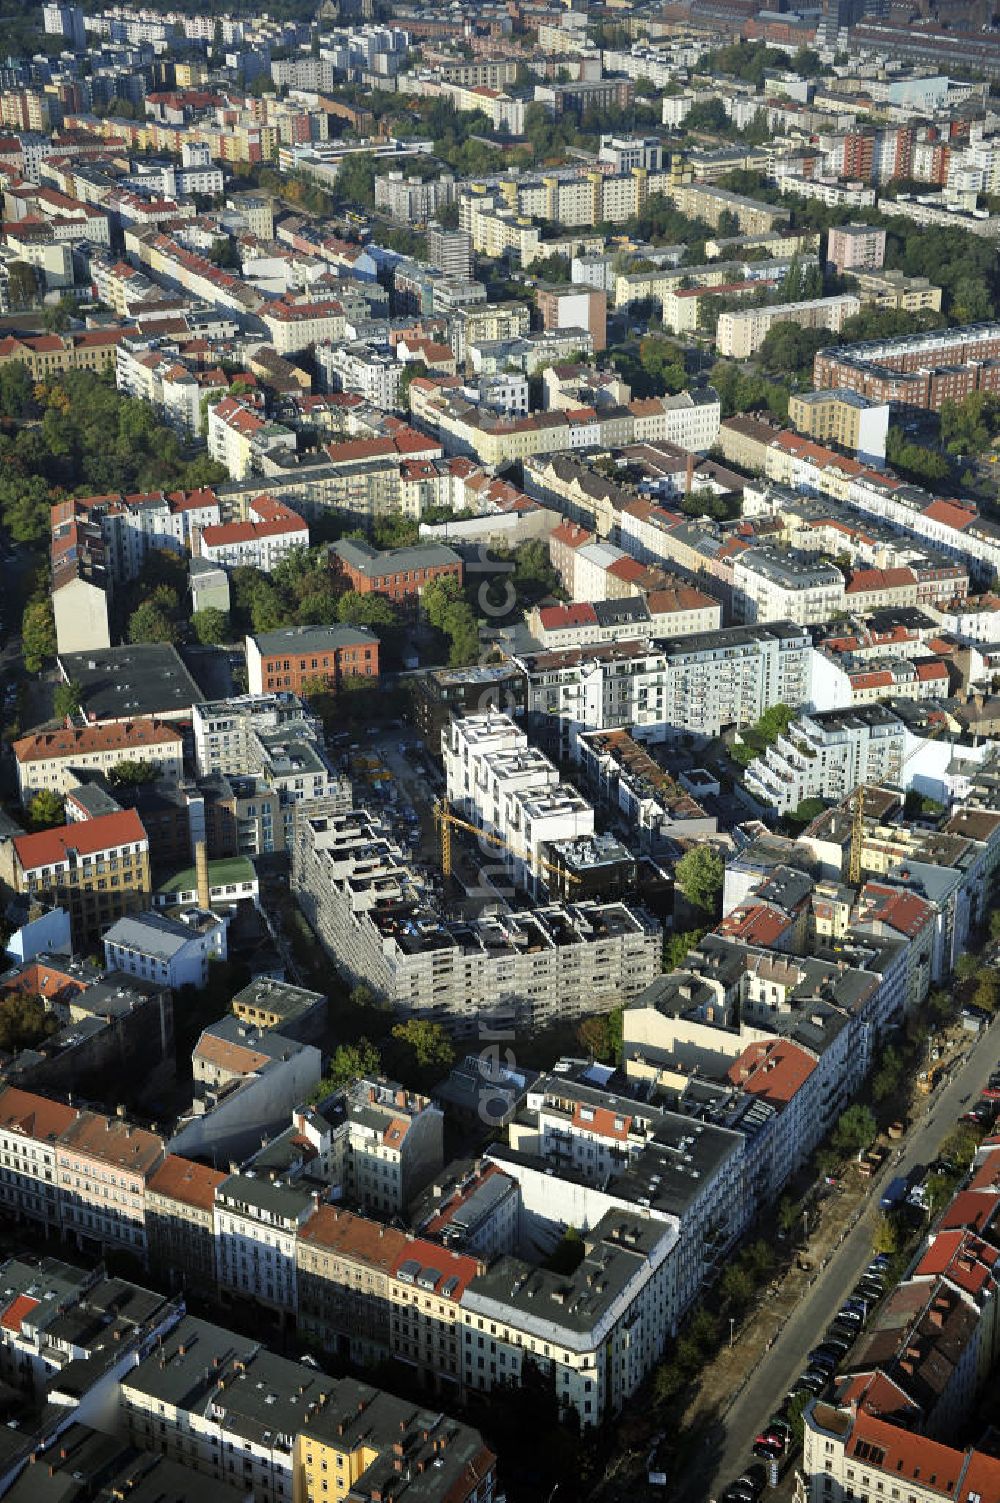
<point>774,1070</point>
<point>951,513</point>
<point>182,1179</point>
<point>559,617</point>
<point>127,736</point>
<point>49,847</point>
<point>17,1312</point>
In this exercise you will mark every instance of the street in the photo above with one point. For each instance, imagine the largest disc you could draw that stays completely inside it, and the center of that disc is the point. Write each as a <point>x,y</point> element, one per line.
<point>726,1450</point>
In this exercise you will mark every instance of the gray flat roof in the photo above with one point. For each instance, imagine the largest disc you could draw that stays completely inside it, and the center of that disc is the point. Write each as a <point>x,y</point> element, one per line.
<point>313,639</point>
<point>139,679</point>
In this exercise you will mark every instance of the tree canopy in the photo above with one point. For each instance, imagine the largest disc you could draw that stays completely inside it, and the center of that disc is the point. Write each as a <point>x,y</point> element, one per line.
<point>699,875</point>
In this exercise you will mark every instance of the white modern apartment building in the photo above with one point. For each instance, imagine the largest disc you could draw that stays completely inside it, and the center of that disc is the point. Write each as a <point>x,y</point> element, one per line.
<point>689,686</point>
<point>498,781</point>
<point>172,951</point>
<point>771,584</point>
<point>373,373</point>
<point>828,754</point>
<point>741,333</point>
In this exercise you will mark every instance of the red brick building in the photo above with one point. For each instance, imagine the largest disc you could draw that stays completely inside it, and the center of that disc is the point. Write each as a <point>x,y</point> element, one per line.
<point>398,573</point>
<point>296,656</point>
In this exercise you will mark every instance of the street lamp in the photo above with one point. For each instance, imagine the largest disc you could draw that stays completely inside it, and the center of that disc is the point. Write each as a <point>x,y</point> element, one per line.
<point>732,1329</point>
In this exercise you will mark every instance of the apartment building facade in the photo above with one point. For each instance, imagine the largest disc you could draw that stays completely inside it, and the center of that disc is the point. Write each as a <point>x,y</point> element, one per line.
<point>512,791</point>
<point>295,657</point>
<point>691,685</point>
<point>740,334</point>
<point>50,759</point>
<point>373,910</point>
<point>97,868</point>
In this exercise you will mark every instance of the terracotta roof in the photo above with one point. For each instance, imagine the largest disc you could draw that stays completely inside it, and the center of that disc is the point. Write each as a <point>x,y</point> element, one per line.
<point>112,1140</point>
<point>971,1209</point>
<point>447,1264</point>
<point>879,579</point>
<point>757,924</point>
<point>126,736</point>
<point>351,1236</point>
<point>570,533</point>
<point>908,1457</point>
<point>559,617</point>
<point>951,514</point>
<point>679,597</point>
<point>34,1116</point>
<point>17,1312</point>
<point>184,1180</point>
<point>87,836</point>
<point>774,1070</point>
<point>225,533</point>
<point>226,1055</point>
<point>603,1123</point>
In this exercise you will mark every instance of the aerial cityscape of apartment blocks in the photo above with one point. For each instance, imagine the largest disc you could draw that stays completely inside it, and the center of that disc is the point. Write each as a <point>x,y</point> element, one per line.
<point>500,758</point>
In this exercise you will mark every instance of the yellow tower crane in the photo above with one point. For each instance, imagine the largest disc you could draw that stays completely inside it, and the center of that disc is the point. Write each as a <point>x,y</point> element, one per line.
<point>447,820</point>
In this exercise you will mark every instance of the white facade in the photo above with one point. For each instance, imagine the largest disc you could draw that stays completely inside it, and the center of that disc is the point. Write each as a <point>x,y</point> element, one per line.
<point>828,754</point>
<point>372,373</point>
<point>172,952</point>
<point>510,789</point>
<point>256,1224</point>
<point>769,585</point>
<point>741,333</point>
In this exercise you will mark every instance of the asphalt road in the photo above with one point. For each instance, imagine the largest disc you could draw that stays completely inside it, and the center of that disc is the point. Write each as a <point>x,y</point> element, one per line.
<point>727,1450</point>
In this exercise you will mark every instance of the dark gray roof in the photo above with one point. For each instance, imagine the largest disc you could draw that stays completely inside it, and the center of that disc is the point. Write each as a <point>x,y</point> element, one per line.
<point>121,682</point>
<point>313,639</point>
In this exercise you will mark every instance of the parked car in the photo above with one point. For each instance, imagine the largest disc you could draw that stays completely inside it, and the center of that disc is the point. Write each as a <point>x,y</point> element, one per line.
<point>893,1193</point>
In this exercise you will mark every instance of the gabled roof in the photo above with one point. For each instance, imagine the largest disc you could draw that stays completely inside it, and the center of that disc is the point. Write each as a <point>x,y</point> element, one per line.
<point>85,837</point>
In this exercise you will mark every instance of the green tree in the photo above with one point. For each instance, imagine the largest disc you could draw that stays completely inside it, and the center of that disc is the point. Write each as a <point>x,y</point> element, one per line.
<point>987,993</point>
<point>887,1077</point>
<point>349,1062</point>
<point>432,1047</point>
<point>131,773</point>
<point>15,389</point>
<point>150,623</point>
<point>601,1034</point>
<point>24,1022</point>
<point>960,1145</point>
<point>22,286</point>
<point>38,634</point>
<point>889,1236</point>
<point>46,810</point>
<point>411,370</point>
<point>373,611</point>
<point>356,180</point>
<point>700,874</point>
<point>856,1129</point>
<point>967,966</point>
<point>568,1253</point>
<point>737,1286</point>
<point>211,626</point>
<point>66,699</point>
<point>677,947</point>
